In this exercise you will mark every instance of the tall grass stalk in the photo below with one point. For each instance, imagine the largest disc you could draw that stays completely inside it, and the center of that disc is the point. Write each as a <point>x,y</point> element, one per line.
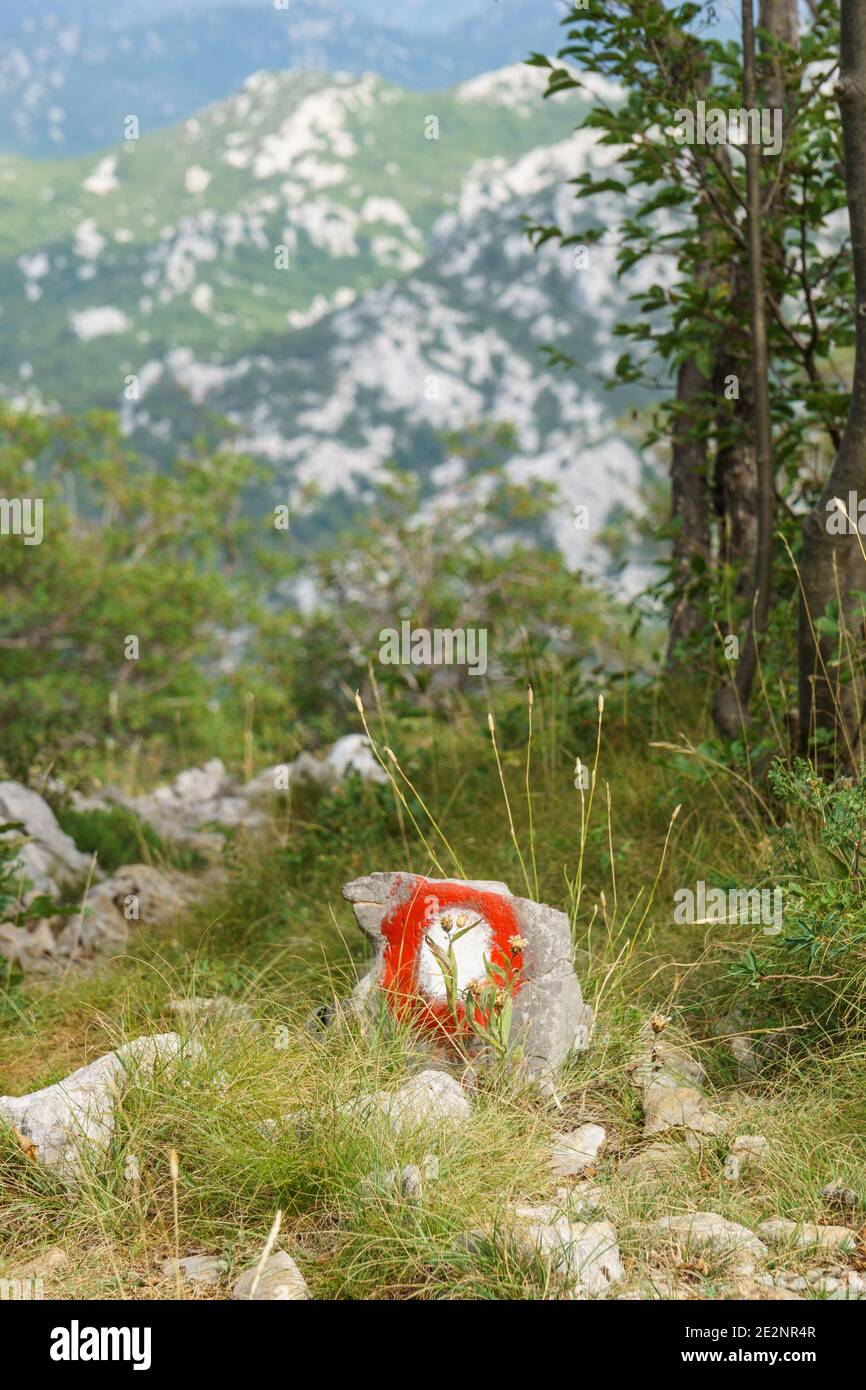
<point>491,725</point>
<point>530,700</point>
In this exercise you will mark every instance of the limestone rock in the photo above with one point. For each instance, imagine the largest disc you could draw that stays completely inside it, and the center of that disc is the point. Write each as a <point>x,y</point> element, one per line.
<point>196,797</point>
<point>353,753</point>
<point>581,1201</point>
<point>207,795</point>
<point>733,1029</point>
<point>577,1150</point>
<point>786,1279</point>
<point>428,1099</point>
<point>654,1286</point>
<point>269,782</point>
<point>742,1050</point>
<point>652,1164</point>
<point>48,858</point>
<point>679,1107</point>
<point>751,1290</point>
<point>836,1194</point>
<point>781,1232</point>
<point>662,1063</point>
<point>852,1287</point>
<point>668,1079</point>
<point>411,1184</point>
<point>75,1115</point>
<point>746,1149</point>
<point>201,783</point>
<point>195,1269</point>
<point>40,1265</point>
<point>280,1281</point>
<point>308,768</point>
<point>584,1253</point>
<point>706,1229</point>
<point>33,949</point>
<point>136,895</point>
<point>550,1019</point>
<point>407,1181</point>
<point>827,1283</point>
<point>750,1146</point>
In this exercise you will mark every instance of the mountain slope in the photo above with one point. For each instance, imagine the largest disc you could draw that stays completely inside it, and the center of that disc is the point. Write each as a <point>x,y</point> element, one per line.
<point>69,79</point>
<point>304,261</point>
<point>457,341</point>
<point>258,215</point>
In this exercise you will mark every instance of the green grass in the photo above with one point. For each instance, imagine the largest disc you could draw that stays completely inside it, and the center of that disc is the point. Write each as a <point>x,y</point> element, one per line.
<point>118,836</point>
<point>278,937</point>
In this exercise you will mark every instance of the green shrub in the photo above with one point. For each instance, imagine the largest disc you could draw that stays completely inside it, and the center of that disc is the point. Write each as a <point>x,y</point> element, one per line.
<point>815,971</point>
<point>118,836</point>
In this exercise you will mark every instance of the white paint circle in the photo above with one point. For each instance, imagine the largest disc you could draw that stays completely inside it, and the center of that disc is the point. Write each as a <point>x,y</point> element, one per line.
<point>469,951</point>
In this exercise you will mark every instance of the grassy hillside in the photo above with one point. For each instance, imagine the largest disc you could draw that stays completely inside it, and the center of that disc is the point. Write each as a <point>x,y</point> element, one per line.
<point>279,939</point>
<point>109,262</point>
<point>303,261</point>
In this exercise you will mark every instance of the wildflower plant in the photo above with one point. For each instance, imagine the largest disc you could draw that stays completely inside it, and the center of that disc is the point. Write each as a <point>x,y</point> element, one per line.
<point>485,1005</point>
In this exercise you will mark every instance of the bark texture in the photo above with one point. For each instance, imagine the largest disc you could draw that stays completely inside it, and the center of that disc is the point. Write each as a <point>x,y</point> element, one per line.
<point>730,706</point>
<point>832,566</point>
<point>690,503</point>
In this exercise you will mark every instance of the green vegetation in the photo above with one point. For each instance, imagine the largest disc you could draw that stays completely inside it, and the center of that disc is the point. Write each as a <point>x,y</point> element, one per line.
<point>118,836</point>
<point>158,626</point>
<point>278,937</point>
<point>143,236</point>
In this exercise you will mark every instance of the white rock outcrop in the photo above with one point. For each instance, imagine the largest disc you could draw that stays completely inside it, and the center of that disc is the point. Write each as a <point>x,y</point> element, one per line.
<point>801,1234</point>
<point>63,1124</point>
<point>707,1229</point>
<point>279,1281</point>
<point>577,1150</point>
<point>585,1254</point>
<point>49,858</point>
<point>430,1098</point>
<point>137,895</point>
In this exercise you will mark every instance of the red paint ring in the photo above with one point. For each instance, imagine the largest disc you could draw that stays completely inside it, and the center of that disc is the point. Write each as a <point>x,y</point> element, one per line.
<point>404,928</point>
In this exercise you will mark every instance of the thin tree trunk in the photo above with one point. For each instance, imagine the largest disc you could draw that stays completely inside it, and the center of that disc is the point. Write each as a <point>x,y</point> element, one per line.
<point>781,19</point>
<point>690,504</point>
<point>690,490</point>
<point>736,474</point>
<point>832,565</point>
<point>730,706</point>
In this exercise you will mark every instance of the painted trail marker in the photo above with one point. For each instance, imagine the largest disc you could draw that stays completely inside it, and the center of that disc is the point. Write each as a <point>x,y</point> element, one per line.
<point>404,915</point>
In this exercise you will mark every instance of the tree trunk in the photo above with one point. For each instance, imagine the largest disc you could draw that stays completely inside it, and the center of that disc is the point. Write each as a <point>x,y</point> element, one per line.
<point>781,19</point>
<point>690,489</point>
<point>736,475</point>
<point>690,504</point>
<point>832,565</point>
<point>730,706</point>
